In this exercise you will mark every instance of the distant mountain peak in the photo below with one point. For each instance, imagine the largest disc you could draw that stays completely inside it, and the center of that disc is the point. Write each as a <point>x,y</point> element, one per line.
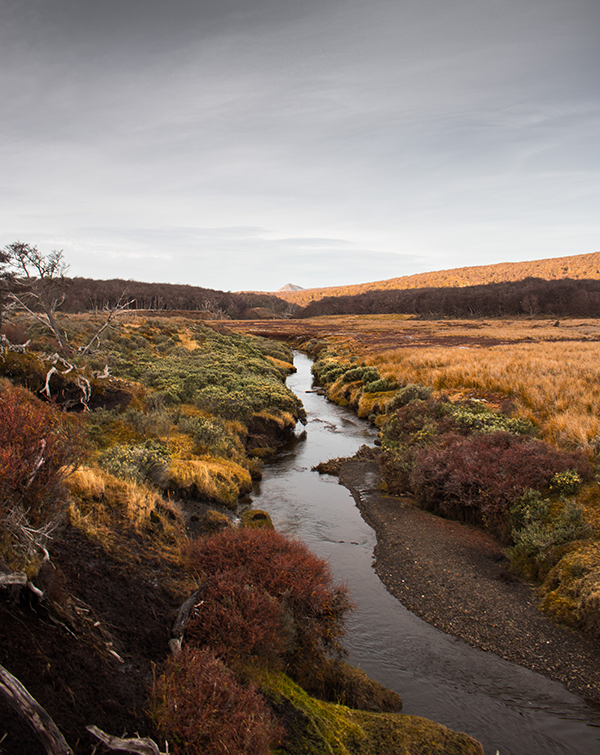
<point>290,287</point>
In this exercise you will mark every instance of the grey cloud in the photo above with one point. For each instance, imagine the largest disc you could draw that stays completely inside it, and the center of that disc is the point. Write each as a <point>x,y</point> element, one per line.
<point>400,126</point>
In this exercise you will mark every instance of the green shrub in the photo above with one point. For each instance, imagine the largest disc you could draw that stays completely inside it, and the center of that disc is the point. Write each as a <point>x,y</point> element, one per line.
<point>477,418</point>
<point>326,371</point>
<point>366,374</point>
<point>410,392</point>
<point>381,386</point>
<point>144,462</point>
<point>540,530</point>
<point>566,483</point>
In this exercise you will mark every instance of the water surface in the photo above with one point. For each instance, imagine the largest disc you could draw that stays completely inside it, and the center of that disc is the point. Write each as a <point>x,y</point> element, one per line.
<point>511,710</point>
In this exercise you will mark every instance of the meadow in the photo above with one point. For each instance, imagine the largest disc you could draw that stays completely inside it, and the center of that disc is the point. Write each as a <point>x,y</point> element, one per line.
<point>122,521</point>
<point>496,422</point>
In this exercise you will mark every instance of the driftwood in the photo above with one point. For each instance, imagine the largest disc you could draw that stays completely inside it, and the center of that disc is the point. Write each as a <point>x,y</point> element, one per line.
<point>15,578</point>
<point>19,578</point>
<point>143,746</point>
<point>183,618</point>
<point>29,709</point>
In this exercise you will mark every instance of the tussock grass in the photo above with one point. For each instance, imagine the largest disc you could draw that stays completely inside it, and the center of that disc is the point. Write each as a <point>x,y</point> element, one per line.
<point>554,384</point>
<point>110,510</point>
<point>213,479</point>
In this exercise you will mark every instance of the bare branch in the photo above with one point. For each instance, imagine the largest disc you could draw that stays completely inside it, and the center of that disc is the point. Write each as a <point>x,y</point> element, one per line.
<point>143,746</point>
<point>112,312</point>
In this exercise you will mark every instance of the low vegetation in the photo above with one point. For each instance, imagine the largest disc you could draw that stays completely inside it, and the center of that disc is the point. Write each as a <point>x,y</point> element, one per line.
<point>107,452</point>
<point>499,429</point>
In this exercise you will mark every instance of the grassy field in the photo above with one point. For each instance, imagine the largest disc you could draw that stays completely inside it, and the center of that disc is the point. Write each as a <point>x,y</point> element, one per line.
<point>549,371</point>
<point>121,476</point>
<point>439,389</point>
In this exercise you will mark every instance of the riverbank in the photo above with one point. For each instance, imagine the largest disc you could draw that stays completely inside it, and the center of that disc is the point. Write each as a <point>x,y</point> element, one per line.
<point>456,577</point>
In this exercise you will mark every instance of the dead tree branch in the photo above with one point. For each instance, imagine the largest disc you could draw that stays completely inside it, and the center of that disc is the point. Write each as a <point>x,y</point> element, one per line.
<point>111,312</point>
<point>32,712</point>
<point>144,746</point>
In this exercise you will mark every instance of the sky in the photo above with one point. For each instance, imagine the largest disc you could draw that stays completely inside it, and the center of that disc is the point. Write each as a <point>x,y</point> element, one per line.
<point>246,144</point>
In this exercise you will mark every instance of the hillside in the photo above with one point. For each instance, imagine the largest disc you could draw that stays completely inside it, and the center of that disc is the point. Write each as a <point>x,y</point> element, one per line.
<point>579,266</point>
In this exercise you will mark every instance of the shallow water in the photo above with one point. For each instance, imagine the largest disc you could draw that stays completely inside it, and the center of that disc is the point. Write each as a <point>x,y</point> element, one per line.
<point>511,710</point>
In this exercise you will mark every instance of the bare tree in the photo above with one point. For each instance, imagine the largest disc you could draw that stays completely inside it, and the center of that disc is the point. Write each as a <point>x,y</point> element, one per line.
<point>6,275</point>
<point>37,284</point>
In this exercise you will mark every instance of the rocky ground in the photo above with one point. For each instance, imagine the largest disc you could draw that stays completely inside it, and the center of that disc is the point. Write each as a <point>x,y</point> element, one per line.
<point>456,578</point>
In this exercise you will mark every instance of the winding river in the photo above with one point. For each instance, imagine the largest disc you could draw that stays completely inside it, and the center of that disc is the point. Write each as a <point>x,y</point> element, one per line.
<point>511,710</point>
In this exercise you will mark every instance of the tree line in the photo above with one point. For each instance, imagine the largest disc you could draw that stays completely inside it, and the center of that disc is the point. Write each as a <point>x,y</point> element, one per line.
<point>87,294</point>
<point>529,297</point>
<point>30,279</point>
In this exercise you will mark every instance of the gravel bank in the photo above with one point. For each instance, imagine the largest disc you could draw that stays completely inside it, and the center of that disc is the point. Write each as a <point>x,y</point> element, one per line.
<point>456,578</point>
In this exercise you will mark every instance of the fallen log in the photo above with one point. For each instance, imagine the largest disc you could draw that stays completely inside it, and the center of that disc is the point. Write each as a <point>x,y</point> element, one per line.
<point>144,746</point>
<point>32,712</point>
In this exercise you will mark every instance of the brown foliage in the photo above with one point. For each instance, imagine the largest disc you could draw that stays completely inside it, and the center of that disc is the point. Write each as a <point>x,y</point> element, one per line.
<point>269,563</point>
<point>478,478</point>
<point>201,707</point>
<point>239,620</point>
<point>36,444</point>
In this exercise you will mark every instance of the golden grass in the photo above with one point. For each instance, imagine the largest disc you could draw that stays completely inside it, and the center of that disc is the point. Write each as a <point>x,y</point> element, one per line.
<point>108,509</point>
<point>208,478</point>
<point>555,384</point>
<point>549,371</point>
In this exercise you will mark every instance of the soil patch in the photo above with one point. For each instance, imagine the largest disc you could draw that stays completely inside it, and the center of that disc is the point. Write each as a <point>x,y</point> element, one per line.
<point>456,577</point>
<point>87,654</point>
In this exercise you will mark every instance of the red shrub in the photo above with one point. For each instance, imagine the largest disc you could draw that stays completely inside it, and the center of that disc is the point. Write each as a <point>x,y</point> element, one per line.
<point>36,443</point>
<point>238,619</point>
<point>289,572</point>
<point>479,477</point>
<point>201,708</point>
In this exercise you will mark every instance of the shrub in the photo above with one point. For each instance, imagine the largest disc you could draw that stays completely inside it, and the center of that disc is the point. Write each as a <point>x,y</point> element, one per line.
<point>37,446</point>
<point>366,374</point>
<point>477,418</point>
<point>326,371</point>
<point>410,392</point>
<point>566,483</point>
<point>291,574</point>
<point>479,478</point>
<point>238,619</point>
<point>381,386</point>
<point>200,706</point>
<point>540,533</point>
<point>143,462</point>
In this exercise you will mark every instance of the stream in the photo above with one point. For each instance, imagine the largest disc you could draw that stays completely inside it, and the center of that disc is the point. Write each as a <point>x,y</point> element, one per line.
<point>509,709</point>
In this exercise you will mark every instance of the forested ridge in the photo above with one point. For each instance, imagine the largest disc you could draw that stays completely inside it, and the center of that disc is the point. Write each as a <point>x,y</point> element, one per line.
<point>576,267</point>
<point>529,297</point>
<point>88,294</point>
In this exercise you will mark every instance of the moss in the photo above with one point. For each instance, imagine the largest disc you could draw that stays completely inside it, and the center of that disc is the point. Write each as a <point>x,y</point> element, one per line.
<point>257,518</point>
<point>571,591</point>
<point>214,521</point>
<point>314,727</point>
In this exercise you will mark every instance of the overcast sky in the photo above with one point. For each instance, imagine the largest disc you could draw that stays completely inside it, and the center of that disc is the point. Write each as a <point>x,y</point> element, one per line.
<point>245,144</point>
